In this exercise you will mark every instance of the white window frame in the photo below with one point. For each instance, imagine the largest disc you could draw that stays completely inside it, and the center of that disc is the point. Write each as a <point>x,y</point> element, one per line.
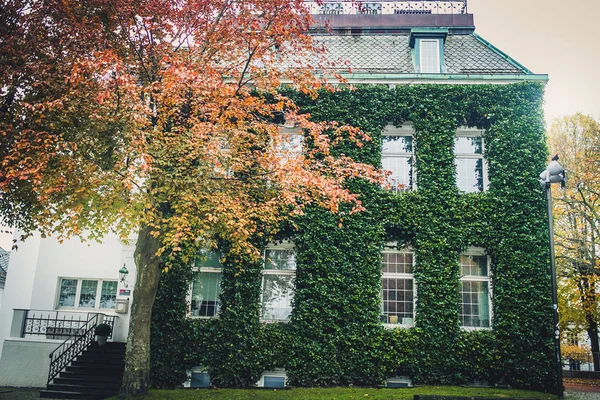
<point>288,148</point>
<point>426,69</point>
<point>406,130</point>
<point>479,252</point>
<point>392,249</point>
<point>465,132</point>
<point>279,272</point>
<point>191,292</point>
<point>76,306</point>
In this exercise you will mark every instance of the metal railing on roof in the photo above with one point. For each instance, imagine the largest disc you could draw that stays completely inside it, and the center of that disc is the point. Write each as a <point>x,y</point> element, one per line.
<point>387,7</point>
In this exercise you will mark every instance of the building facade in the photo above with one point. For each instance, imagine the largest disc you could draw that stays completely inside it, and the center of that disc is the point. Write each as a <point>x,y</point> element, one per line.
<point>443,279</point>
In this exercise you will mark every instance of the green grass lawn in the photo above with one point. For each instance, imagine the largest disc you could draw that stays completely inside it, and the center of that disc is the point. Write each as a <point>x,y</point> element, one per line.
<point>344,393</point>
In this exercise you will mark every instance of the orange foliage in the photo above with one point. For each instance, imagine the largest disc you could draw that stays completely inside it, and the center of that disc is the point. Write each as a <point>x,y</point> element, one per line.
<point>116,115</point>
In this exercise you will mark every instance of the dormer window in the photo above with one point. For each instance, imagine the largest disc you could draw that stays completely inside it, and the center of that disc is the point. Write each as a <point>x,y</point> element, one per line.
<point>428,49</point>
<point>429,56</point>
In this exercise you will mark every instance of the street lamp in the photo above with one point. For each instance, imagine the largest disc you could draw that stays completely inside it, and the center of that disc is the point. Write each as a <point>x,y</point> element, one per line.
<point>123,275</point>
<point>554,173</point>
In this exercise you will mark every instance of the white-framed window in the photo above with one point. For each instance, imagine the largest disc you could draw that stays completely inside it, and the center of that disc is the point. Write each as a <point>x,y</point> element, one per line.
<point>87,293</point>
<point>290,142</point>
<point>429,56</point>
<point>397,156</point>
<point>398,287</point>
<point>206,284</point>
<point>278,283</point>
<point>471,168</point>
<point>475,293</point>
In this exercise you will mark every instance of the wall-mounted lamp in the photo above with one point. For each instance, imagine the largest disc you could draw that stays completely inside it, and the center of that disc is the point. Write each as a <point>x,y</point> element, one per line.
<point>123,275</point>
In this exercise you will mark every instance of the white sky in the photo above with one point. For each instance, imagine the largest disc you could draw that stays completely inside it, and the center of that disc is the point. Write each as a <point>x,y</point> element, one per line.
<point>554,37</point>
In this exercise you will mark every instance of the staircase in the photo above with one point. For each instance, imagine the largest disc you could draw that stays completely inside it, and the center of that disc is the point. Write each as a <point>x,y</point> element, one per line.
<point>95,374</point>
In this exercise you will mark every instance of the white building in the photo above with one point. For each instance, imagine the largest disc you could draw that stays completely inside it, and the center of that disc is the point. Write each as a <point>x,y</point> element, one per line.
<point>52,290</point>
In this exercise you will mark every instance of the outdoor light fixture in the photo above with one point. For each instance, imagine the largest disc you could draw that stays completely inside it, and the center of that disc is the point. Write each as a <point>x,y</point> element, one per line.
<point>554,173</point>
<point>123,275</point>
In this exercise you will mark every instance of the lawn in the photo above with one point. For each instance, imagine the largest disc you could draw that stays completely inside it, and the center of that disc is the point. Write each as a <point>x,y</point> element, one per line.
<point>344,393</point>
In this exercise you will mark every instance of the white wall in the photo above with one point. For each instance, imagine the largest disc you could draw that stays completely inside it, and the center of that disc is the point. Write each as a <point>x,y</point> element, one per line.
<point>25,363</point>
<point>38,264</point>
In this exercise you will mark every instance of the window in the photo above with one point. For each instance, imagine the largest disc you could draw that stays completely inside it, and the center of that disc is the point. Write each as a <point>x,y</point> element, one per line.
<point>206,284</point>
<point>278,282</point>
<point>398,293</point>
<point>429,56</point>
<point>87,293</point>
<point>469,162</point>
<point>475,290</point>
<point>397,157</point>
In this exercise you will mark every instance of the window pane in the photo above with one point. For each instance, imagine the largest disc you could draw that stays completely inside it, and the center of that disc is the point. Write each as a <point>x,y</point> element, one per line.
<point>430,56</point>
<point>398,300</point>
<point>209,259</point>
<point>396,144</point>
<point>281,259</point>
<point>474,265</point>
<point>68,290</point>
<point>108,295</point>
<point>206,287</point>
<point>87,298</point>
<point>278,293</point>
<point>292,142</point>
<point>397,158</point>
<point>475,307</point>
<point>397,263</point>
<point>468,145</point>
<point>469,174</point>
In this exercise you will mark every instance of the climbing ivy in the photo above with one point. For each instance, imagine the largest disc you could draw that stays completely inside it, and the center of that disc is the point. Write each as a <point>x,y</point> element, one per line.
<point>334,336</point>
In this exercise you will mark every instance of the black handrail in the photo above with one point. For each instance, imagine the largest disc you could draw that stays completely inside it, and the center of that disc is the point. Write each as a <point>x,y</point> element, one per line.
<point>62,356</point>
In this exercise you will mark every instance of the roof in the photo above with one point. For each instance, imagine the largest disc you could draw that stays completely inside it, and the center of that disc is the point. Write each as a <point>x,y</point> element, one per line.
<point>463,54</point>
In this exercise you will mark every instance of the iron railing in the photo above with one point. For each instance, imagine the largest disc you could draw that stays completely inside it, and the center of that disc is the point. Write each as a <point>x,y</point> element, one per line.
<point>74,345</point>
<point>387,7</point>
<point>56,324</point>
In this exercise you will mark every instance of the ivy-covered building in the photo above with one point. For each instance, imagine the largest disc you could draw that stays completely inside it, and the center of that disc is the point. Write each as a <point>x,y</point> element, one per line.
<point>443,279</point>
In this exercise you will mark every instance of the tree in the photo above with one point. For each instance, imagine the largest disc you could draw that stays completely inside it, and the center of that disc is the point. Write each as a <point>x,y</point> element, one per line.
<point>577,209</point>
<point>158,117</point>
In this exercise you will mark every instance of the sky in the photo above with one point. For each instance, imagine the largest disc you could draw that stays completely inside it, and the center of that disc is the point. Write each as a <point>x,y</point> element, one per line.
<point>554,37</point>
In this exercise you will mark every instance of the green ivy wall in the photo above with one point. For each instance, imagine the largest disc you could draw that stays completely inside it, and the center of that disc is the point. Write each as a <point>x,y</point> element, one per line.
<point>334,336</point>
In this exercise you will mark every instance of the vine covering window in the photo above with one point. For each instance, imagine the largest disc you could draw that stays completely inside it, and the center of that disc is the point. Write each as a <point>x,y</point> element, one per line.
<point>475,290</point>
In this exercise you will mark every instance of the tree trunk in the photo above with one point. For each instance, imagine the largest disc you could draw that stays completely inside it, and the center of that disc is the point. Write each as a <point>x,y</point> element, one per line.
<point>137,354</point>
<point>592,331</point>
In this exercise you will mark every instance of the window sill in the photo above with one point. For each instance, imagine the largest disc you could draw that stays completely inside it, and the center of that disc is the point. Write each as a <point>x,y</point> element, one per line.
<point>476,328</point>
<point>403,326</point>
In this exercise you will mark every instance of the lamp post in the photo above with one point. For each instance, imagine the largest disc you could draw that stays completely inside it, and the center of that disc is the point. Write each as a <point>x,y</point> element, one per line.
<point>554,173</point>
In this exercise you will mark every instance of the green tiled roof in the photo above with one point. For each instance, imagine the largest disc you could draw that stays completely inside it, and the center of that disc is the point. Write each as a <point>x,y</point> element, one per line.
<point>463,54</point>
